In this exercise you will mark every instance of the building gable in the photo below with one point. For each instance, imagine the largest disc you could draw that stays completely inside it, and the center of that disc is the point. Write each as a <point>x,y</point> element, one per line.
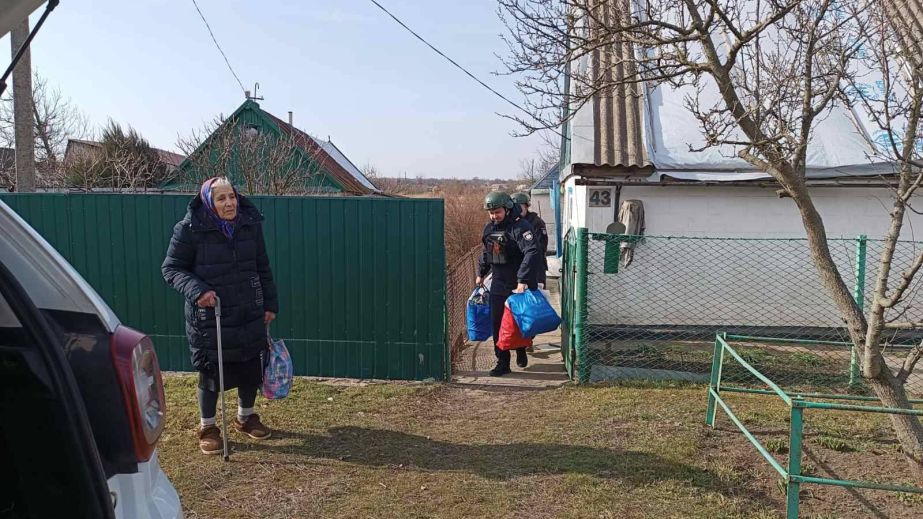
<point>322,172</point>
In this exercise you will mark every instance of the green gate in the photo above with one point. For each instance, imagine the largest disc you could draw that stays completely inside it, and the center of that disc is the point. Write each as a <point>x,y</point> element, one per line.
<point>361,280</point>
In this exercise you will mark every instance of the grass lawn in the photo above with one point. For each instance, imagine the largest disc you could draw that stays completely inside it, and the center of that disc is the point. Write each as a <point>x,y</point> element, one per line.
<point>436,450</point>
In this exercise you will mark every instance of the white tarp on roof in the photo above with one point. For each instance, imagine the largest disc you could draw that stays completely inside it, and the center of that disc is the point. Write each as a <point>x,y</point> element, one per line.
<point>841,145</point>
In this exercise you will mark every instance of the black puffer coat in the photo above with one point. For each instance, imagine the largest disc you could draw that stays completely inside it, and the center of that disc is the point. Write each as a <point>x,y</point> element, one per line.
<point>201,258</point>
<point>514,240</point>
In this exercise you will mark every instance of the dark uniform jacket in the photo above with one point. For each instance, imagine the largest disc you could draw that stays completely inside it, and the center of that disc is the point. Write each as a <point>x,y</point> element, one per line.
<point>510,253</point>
<point>201,258</point>
<point>541,232</point>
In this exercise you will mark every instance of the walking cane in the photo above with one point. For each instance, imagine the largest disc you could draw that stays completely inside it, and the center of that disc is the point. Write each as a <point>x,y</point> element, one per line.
<point>224,420</point>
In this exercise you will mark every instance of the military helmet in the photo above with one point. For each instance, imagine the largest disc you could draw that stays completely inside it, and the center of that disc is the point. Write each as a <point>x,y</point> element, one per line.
<point>521,198</point>
<point>496,200</point>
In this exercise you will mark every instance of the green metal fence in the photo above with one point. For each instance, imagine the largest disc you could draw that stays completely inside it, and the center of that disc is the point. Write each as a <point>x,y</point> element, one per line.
<point>571,302</point>
<point>361,280</point>
<point>791,473</point>
<point>649,306</point>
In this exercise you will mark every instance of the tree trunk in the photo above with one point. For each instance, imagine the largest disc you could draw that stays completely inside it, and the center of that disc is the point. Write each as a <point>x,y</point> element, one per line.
<point>43,134</point>
<point>908,428</point>
<point>889,389</point>
<point>22,111</point>
<point>823,260</point>
<point>872,364</point>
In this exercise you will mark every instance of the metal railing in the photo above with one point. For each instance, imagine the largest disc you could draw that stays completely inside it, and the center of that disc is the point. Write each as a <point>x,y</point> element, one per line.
<point>791,474</point>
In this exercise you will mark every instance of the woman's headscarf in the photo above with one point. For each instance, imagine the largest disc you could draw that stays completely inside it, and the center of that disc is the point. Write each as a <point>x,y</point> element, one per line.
<point>205,193</point>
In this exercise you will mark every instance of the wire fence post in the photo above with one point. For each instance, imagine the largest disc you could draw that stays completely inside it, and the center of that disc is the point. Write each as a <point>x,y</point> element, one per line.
<point>567,303</point>
<point>859,297</point>
<point>793,487</point>
<point>580,308</point>
<point>717,364</point>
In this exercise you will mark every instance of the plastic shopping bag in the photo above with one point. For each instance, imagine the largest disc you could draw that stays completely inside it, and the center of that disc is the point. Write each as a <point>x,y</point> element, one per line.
<point>479,324</point>
<point>533,313</point>
<point>279,371</point>
<point>510,336</point>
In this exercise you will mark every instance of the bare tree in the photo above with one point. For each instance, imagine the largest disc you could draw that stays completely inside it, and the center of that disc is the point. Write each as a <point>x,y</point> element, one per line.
<point>546,156</point>
<point>55,120</point>
<point>123,161</point>
<point>777,69</point>
<point>464,221</point>
<point>262,162</point>
<point>387,185</point>
<point>530,171</point>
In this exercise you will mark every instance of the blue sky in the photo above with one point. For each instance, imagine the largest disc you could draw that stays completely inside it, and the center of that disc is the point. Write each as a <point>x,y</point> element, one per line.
<point>343,67</point>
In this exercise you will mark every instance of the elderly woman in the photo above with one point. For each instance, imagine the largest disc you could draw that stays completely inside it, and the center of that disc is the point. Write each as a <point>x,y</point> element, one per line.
<point>217,252</point>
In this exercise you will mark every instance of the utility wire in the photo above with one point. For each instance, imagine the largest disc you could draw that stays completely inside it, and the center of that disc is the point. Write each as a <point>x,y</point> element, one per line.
<point>459,67</point>
<point>219,47</point>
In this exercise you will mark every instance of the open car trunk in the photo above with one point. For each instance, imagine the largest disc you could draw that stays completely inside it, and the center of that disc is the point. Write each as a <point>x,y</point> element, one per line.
<point>49,464</point>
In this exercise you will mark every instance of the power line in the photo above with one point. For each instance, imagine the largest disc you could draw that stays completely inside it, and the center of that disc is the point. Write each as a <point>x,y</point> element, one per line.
<point>219,47</point>
<point>459,67</point>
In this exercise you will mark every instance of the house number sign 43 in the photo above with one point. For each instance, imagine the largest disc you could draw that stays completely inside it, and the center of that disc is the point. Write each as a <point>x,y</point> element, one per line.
<point>600,197</point>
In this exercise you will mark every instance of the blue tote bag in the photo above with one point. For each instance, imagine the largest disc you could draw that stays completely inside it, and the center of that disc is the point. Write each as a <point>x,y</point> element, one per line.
<point>479,323</point>
<point>533,313</point>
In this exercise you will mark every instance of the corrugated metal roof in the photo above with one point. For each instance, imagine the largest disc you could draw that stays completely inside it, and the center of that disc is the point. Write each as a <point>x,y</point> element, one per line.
<point>326,155</point>
<point>344,161</point>
<point>166,157</point>
<point>618,127</point>
<point>907,16</point>
<point>546,180</point>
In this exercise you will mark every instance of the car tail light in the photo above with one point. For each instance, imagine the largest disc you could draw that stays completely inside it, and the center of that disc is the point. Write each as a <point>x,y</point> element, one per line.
<point>142,388</point>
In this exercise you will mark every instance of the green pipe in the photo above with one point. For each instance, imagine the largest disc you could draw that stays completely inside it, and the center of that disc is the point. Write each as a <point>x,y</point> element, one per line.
<point>717,362</point>
<point>861,408</point>
<point>756,338</point>
<point>580,310</point>
<point>806,342</point>
<point>756,443</point>
<point>711,239</point>
<point>785,398</point>
<point>732,389</point>
<point>793,486</point>
<point>859,297</point>
<point>859,287</point>
<point>856,484</point>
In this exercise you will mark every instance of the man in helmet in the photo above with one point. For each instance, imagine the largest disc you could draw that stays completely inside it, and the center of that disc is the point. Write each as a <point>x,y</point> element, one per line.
<point>540,229</point>
<point>511,255</point>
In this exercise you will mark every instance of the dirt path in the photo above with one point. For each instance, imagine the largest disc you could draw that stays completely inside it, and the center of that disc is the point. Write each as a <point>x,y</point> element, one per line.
<point>545,369</point>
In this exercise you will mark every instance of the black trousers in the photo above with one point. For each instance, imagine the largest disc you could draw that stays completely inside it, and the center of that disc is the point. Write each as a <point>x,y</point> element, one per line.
<point>497,307</point>
<point>208,400</point>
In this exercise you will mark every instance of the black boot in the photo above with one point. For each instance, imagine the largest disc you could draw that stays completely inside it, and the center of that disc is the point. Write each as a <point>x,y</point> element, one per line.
<point>522,360</point>
<point>500,370</point>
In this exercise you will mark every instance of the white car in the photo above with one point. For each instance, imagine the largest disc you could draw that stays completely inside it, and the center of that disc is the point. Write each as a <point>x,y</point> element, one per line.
<point>81,395</point>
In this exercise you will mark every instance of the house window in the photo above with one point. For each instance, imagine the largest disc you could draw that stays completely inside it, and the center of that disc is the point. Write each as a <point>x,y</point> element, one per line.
<point>251,131</point>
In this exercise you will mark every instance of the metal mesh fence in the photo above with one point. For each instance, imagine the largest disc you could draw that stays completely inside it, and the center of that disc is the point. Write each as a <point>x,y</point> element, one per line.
<point>569,301</point>
<point>652,306</point>
<point>459,282</point>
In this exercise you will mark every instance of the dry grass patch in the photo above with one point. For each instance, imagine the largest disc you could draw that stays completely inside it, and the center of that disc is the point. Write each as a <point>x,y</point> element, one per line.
<point>434,450</point>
